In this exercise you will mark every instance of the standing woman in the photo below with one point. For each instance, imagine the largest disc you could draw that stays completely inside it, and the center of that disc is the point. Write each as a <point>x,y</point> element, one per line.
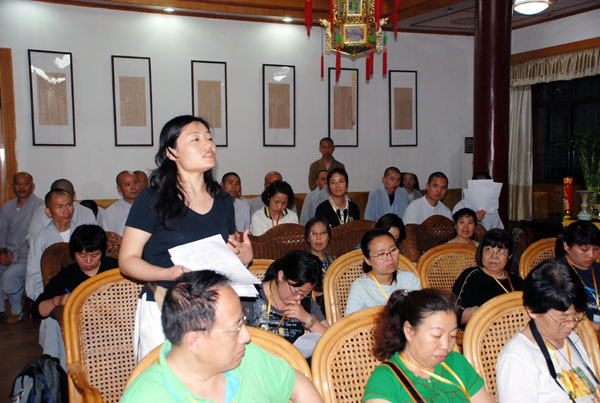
<point>579,248</point>
<point>183,204</point>
<point>338,209</point>
<point>410,183</point>
<point>276,198</point>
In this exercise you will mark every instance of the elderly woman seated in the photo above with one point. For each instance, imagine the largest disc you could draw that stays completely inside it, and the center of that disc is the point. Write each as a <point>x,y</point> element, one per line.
<point>546,361</point>
<point>87,246</point>
<point>414,338</point>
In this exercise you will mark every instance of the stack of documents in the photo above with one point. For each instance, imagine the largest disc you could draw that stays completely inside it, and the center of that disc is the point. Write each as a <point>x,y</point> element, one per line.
<point>482,195</point>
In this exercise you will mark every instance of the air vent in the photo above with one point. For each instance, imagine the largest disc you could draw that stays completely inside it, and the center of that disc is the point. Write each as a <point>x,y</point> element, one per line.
<point>468,145</point>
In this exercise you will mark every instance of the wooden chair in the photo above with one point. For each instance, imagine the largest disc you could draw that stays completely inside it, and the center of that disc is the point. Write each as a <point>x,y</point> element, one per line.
<point>344,238</point>
<point>440,266</point>
<point>343,358</point>
<point>276,345</point>
<point>54,258</point>
<point>98,329</point>
<point>535,254</point>
<point>113,244</point>
<point>279,240</point>
<point>432,232</point>
<point>495,322</point>
<point>338,279</point>
<point>259,267</point>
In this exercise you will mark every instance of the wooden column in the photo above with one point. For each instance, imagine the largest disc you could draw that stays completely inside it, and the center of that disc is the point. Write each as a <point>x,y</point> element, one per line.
<point>491,92</point>
<point>8,166</point>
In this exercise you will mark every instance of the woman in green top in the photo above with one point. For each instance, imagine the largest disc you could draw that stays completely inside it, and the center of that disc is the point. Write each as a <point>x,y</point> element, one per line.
<point>414,337</point>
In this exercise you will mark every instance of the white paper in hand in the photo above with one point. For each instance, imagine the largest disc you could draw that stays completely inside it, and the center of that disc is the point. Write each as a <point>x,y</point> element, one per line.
<point>213,254</point>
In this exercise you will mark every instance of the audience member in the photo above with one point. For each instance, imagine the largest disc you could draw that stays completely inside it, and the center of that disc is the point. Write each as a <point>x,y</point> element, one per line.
<point>142,179</point>
<point>14,220</point>
<point>338,209</point>
<point>489,219</point>
<point>388,197</point>
<point>315,197</point>
<point>232,184</point>
<point>256,203</point>
<point>208,354</point>
<point>326,162</point>
<point>183,204</point>
<point>490,278</point>
<point>465,221</point>
<point>41,217</point>
<point>421,209</point>
<point>284,305</point>
<point>275,198</point>
<point>579,247</point>
<point>394,225</point>
<point>382,276</point>
<point>414,338</point>
<point>317,235</point>
<point>116,214</point>
<point>546,361</point>
<point>410,183</point>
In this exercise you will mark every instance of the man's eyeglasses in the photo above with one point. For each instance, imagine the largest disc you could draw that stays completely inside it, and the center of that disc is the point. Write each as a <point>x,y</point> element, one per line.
<point>241,324</point>
<point>384,255</point>
<point>297,292</point>
<point>566,322</point>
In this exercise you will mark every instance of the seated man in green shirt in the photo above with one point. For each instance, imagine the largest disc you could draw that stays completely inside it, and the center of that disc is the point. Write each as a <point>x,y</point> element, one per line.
<point>208,356</point>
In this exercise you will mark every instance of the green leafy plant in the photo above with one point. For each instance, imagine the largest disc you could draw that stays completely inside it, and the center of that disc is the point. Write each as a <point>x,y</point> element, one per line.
<point>587,145</point>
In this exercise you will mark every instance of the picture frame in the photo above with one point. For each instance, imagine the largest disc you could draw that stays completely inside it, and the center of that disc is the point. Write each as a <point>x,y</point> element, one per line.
<point>343,107</point>
<point>403,108</point>
<point>132,101</point>
<point>279,105</point>
<point>354,7</point>
<point>209,78</point>
<point>52,98</point>
<point>355,34</point>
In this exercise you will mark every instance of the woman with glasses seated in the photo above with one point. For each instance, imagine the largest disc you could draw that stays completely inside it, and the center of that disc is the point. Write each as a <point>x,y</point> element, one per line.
<point>490,278</point>
<point>546,361</point>
<point>284,305</point>
<point>382,276</point>
<point>579,248</point>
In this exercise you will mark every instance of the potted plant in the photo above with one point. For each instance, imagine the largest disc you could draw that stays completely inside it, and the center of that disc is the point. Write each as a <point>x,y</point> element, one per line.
<point>587,145</point>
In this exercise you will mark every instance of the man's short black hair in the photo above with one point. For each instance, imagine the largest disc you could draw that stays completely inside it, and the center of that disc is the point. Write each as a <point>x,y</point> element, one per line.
<point>229,174</point>
<point>58,192</point>
<point>190,303</point>
<point>437,174</point>
<point>326,139</point>
<point>389,170</point>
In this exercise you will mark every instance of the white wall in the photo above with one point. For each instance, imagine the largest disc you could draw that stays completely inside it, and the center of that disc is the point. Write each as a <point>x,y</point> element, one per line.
<point>445,88</point>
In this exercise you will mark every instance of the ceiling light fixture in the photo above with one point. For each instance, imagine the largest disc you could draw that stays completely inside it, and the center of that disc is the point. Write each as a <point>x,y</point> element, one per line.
<point>530,7</point>
<point>288,19</point>
<point>168,9</point>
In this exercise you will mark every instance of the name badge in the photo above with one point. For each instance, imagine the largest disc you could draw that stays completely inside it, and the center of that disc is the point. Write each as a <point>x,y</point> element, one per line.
<point>596,318</point>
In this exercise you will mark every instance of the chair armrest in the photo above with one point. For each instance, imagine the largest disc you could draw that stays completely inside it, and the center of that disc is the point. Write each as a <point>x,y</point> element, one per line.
<point>79,379</point>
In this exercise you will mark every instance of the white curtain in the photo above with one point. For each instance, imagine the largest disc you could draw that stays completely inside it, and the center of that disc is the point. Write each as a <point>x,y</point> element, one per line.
<point>520,155</point>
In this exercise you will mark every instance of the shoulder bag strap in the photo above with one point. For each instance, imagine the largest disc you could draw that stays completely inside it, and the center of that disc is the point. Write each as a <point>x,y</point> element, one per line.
<point>404,381</point>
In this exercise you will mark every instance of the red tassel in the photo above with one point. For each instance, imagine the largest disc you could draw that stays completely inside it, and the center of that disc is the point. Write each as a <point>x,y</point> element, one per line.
<point>331,14</point>
<point>372,53</point>
<point>338,65</point>
<point>308,15</point>
<point>395,18</point>
<point>322,65</point>
<point>367,76</point>
<point>384,61</point>
<point>377,12</point>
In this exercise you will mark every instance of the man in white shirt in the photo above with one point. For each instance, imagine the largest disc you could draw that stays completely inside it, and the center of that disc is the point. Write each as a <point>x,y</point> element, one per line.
<point>232,184</point>
<point>389,197</point>
<point>314,198</point>
<point>14,220</point>
<point>422,208</point>
<point>113,220</point>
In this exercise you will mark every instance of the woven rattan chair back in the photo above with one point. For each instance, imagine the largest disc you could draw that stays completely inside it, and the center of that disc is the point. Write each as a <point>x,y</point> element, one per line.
<point>411,250</point>
<point>113,244</point>
<point>98,328</point>
<point>344,238</point>
<point>479,232</point>
<point>499,319</point>
<point>432,232</point>
<point>336,284</point>
<point>279,240</point>
<point>54,258</point>
<point>343,358</point>
<point>535,254</point>
<point>440,266</point>
<point>259,267</point>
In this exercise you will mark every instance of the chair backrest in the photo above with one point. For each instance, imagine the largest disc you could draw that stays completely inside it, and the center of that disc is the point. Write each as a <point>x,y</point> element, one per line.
<point>279,240</point>
<point>113,244</point>
<point>343,357</point>
<point>409,244</point>
<point>535,254</point>
<point>439,267</point>
<point>432,232</point>
<point>276,345</point>
<point>340,276</point>
<point>344,238</point>
<point>54,258</point>
<point>495,322</point>
<point>259,267</point>
<point>98,329</point>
